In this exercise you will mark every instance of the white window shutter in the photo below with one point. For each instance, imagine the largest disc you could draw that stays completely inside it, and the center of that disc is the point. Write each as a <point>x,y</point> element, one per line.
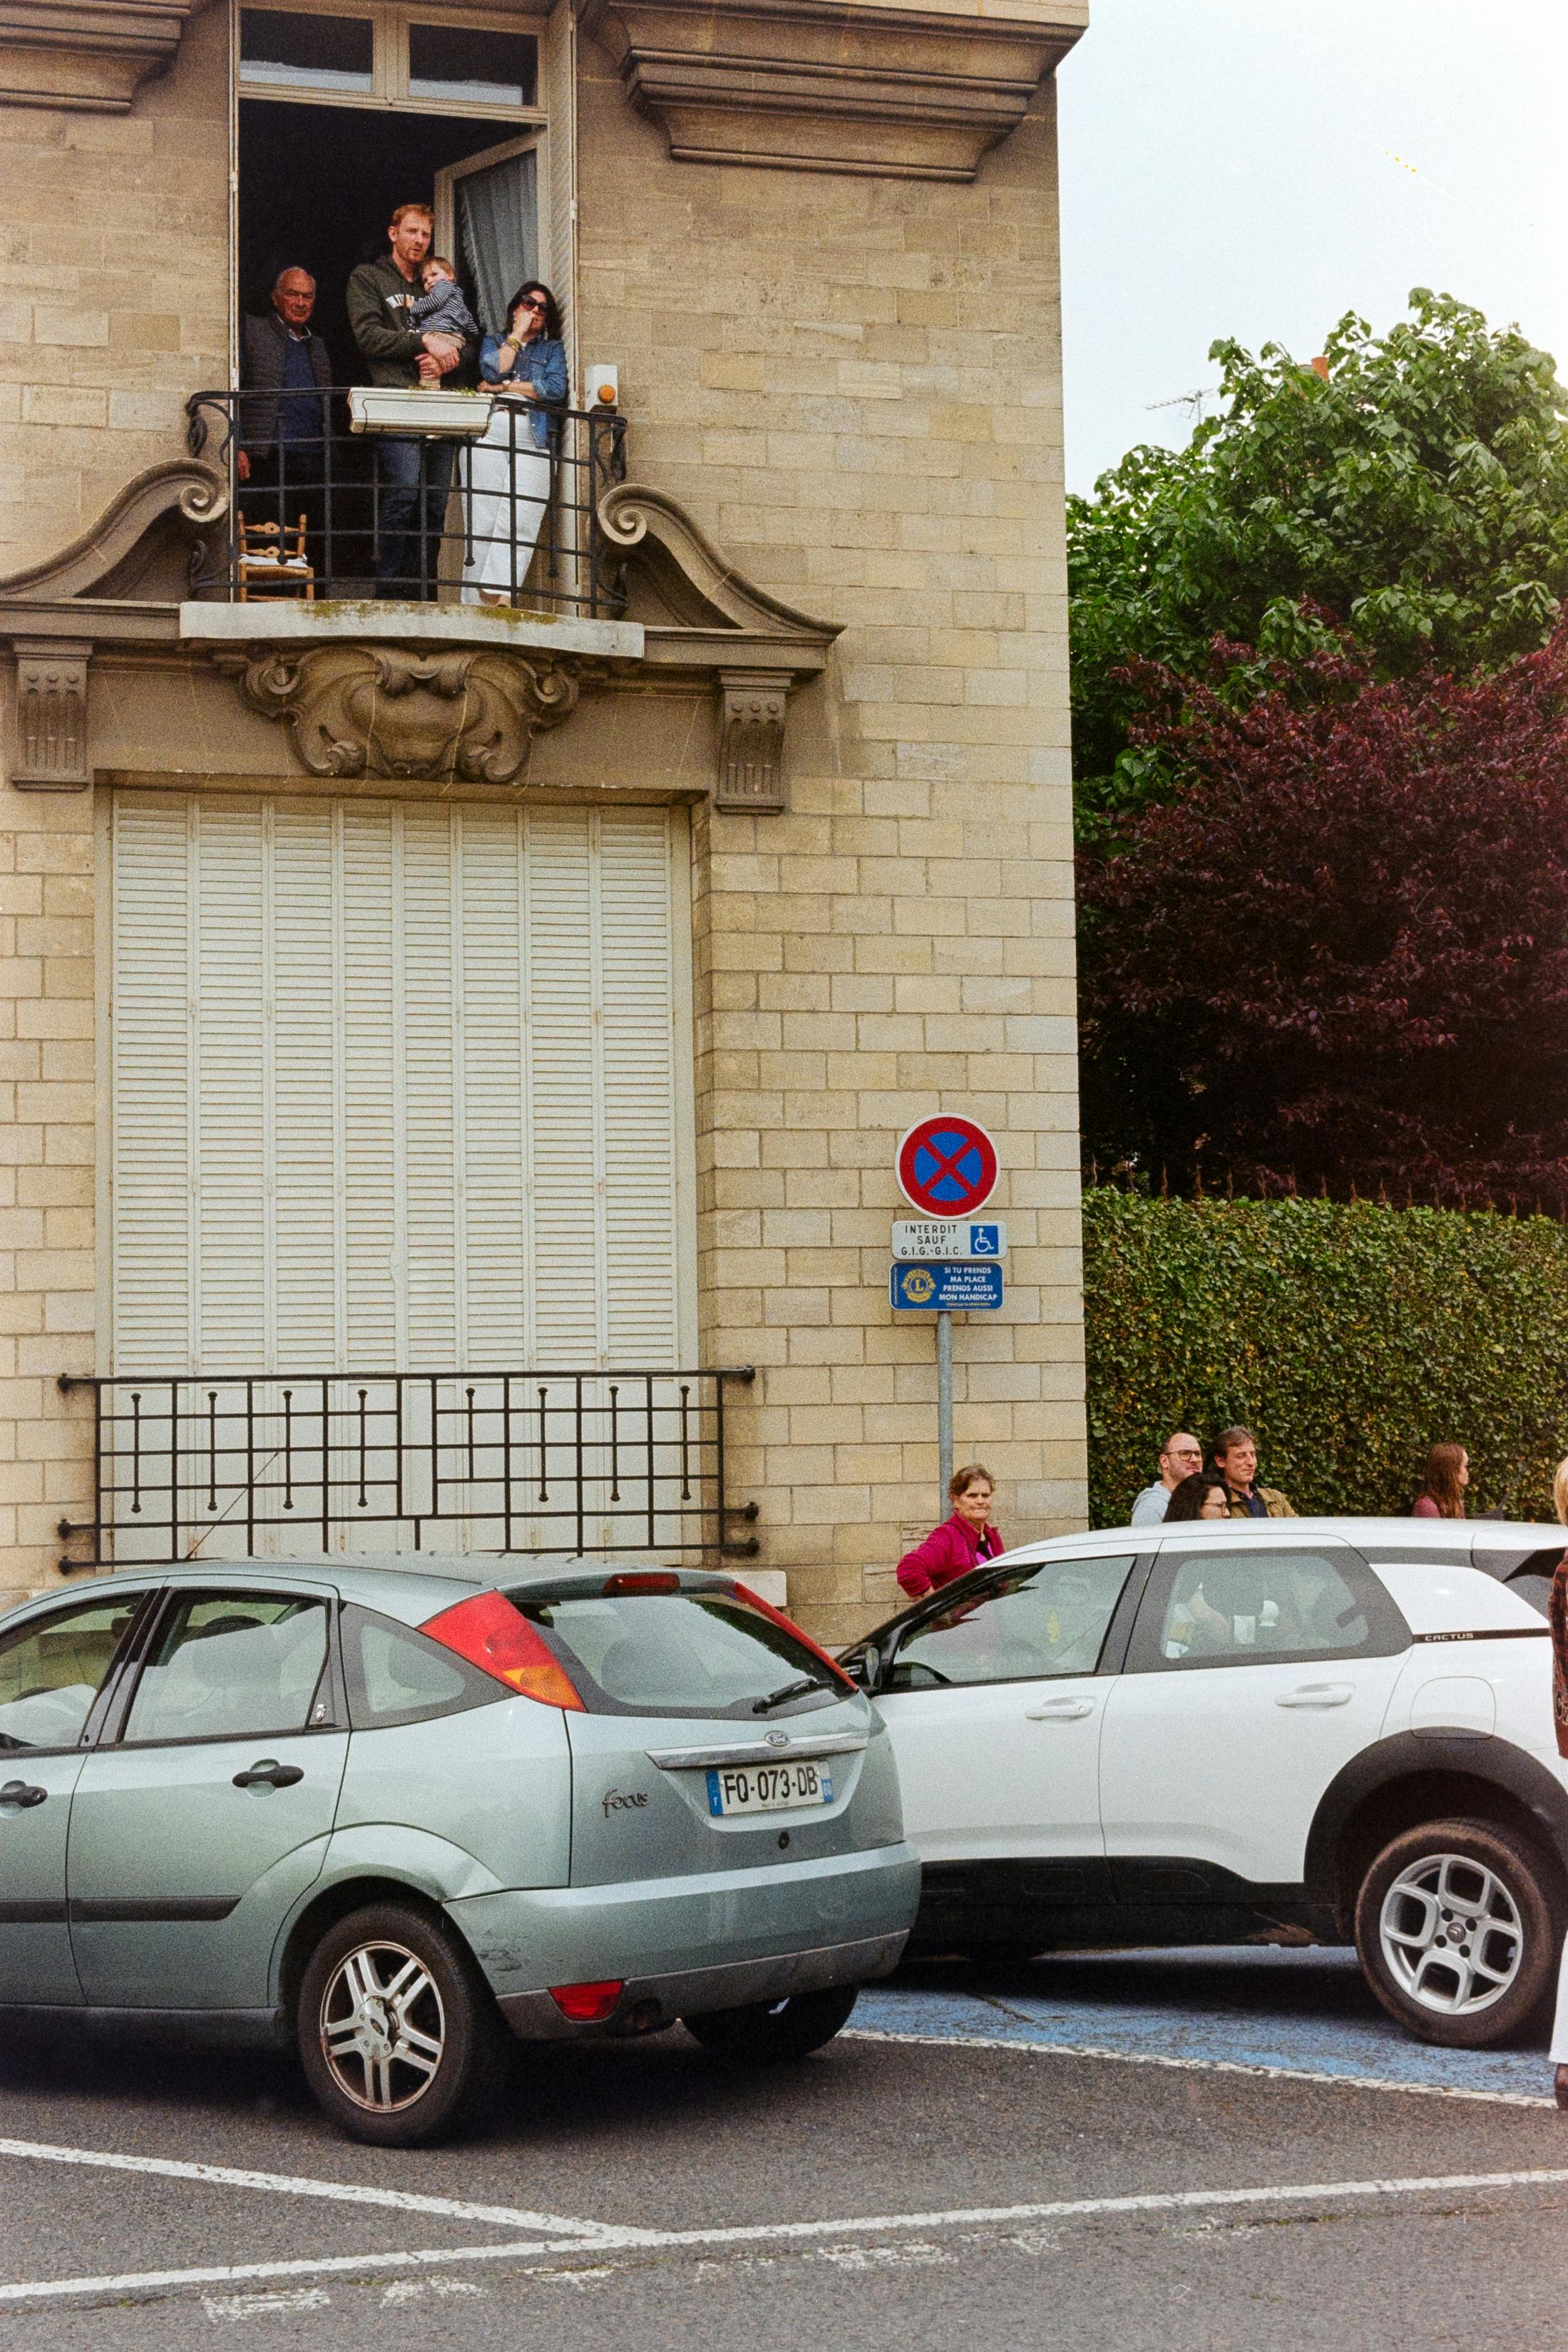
<point>394,1087</point>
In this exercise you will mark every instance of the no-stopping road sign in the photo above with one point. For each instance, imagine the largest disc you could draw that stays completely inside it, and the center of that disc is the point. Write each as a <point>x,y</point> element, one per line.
<point>946,1165</point>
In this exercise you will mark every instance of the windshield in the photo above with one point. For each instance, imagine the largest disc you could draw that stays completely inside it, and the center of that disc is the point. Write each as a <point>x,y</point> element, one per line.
<point>686,1653</point>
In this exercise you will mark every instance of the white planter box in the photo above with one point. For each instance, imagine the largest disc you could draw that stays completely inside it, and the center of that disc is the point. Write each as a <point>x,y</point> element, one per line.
<point>448,415</point>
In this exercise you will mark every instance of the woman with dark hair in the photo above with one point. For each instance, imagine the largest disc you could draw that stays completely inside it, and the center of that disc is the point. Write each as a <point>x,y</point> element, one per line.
<point>1443,1484</point>
<point>1203,1496</point>
<point>509,469</point>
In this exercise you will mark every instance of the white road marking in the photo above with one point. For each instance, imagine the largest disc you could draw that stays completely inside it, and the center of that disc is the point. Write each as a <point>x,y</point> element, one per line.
<point>421,2290</point>
<point>628,2240</point>
<point>883,2258</point>
<point>1089,2208</point>
<point>286,2184</point>
<point>316,2267</point>
<point>263,2307</point>
<point>1197,2065</point>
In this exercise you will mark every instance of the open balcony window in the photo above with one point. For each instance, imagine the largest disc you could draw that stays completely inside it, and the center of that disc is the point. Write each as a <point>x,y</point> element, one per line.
<point>289,48</point>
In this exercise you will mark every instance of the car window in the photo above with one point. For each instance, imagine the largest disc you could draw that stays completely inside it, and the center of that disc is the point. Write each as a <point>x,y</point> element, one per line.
<point>230,1665</point>
<point>396,1675</point>
<point>1241,1606</point>
<point>52,1669</point>
<point>1046,1619</point>
<point>630,1650</point>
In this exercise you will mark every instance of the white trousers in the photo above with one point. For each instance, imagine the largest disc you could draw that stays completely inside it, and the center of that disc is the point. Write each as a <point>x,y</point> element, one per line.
<point>504,528</point>
<point>1560,2022</point>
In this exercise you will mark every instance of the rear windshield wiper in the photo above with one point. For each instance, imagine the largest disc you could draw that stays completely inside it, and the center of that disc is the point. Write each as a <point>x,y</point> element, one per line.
<point>790,1690</point>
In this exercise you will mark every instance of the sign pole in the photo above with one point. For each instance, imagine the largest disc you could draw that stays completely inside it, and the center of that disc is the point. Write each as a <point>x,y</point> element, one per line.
<point>944,1406</point>
<point>946,1168</point>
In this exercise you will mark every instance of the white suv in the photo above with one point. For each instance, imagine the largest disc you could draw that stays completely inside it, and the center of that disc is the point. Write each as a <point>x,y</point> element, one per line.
<point>1211,1731</point>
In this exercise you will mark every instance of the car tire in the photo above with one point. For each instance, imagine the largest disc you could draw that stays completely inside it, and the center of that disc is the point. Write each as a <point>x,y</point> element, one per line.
<point>765,2032</point>
<point>401,2041</point>
<point>1456,1932</point>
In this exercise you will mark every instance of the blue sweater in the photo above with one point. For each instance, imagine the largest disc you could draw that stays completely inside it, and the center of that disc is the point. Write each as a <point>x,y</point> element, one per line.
<point>541,363</point>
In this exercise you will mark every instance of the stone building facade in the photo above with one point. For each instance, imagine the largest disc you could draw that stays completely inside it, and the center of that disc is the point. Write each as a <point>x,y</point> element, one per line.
<point>792,785</point>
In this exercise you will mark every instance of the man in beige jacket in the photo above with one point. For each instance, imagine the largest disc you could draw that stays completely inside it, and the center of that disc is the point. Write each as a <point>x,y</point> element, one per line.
<point>1235,1459</point>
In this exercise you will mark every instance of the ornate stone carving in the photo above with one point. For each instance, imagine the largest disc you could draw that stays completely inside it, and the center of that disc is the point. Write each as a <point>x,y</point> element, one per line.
<point>912,89</point>
<point>51,715</point>
<point>86,56</point>
<point>752,708</point>
<point>388,710</point>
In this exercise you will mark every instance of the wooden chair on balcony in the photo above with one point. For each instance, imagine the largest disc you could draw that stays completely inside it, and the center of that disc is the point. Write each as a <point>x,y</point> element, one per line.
<point>271,561</point>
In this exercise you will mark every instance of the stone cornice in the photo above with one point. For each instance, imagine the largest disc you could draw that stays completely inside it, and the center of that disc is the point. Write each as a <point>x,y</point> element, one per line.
<point>86,56</point>
<point>446,694</point>
<point>897,90</point>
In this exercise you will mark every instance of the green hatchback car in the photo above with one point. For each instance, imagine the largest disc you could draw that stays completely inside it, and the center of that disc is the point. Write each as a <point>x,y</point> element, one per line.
<point>389,1810</point>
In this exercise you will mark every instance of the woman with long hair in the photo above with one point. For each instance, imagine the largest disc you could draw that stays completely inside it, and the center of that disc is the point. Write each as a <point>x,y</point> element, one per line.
<point>1443,1484</point>
<point>509,468</point>
<point>1203,1496</point>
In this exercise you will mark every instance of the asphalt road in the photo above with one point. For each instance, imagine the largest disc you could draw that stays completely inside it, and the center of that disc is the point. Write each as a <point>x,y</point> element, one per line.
<point>1161,2151</point>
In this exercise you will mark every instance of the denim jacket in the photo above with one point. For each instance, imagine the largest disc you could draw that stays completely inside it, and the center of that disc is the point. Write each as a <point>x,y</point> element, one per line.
<point>541,363</point>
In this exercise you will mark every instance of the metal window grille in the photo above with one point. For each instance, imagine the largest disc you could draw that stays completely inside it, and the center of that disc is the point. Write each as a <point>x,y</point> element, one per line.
<point>242,1467</point>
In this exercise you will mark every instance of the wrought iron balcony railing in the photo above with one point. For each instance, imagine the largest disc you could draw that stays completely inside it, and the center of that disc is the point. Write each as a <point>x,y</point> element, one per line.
<point>240,1467</point>
<point>351,509</point>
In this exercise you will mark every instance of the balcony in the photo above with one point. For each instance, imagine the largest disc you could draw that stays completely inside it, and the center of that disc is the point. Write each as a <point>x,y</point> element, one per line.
<point>478,514</point>
<point>524,583</point>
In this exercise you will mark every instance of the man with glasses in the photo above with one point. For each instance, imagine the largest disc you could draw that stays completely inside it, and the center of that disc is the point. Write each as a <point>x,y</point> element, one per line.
<point>1180,1455</point>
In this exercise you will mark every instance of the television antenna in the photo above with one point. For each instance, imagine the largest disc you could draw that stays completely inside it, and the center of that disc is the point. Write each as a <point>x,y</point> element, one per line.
<point>1191,401</point>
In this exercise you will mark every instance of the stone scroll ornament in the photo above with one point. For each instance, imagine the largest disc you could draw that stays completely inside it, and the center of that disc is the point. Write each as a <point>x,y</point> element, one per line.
<point>385,710</point>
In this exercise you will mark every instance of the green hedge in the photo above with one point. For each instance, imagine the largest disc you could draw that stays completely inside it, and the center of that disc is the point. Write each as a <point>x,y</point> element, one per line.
<point>1349,1337</point>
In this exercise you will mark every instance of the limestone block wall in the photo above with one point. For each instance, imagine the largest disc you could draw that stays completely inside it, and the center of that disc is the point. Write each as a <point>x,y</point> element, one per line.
<point>114,291</point>
<point>47,1140</point>
<point>854,385</point>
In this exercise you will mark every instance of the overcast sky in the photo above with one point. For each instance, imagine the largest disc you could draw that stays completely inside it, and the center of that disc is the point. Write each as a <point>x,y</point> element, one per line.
<point>1256,168</point>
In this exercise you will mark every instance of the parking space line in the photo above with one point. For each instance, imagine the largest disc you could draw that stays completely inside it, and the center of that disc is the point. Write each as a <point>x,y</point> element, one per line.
<point>1020,2044</point>
<point>627,2241</point>
<point>286,2184</point>
<point>306,2266</point>
<point>1090,2208</point>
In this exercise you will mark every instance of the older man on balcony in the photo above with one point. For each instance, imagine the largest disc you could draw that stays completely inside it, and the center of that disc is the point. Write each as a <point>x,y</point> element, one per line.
<point>283,427</point>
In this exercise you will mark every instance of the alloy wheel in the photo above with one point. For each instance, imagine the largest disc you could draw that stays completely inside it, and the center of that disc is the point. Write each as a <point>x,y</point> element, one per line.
<point>383,2029</point>
<point>1451,1933</point>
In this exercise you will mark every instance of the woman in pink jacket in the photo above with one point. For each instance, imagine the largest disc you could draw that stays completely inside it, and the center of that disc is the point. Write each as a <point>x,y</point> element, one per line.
<point>961,1542</point>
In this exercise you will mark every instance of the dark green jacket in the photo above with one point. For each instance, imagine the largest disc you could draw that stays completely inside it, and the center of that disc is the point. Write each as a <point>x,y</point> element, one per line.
<point>389,341</point>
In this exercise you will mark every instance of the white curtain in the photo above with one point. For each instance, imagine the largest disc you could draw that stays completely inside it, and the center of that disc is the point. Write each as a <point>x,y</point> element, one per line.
<point>498,212</point>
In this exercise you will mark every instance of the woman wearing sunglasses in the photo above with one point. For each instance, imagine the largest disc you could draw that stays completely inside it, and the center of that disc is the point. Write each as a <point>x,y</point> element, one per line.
<point>509,468</point>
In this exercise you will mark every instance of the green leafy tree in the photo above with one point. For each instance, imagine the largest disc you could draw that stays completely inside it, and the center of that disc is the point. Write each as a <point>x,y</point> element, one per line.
<point>1415,492</point>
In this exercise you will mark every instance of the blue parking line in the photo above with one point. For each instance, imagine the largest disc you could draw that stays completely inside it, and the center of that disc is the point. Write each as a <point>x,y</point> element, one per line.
<point>1301,2011</point>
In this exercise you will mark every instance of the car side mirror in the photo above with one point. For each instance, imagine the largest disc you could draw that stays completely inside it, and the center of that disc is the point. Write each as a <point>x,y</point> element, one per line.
<point>862,1665</point>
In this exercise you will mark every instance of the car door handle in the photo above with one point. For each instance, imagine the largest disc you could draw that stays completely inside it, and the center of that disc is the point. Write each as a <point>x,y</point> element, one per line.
<point>1318,1695</point>
<point>269,1775</point>
<point>18,1793</point>
<point>1059,1710</point>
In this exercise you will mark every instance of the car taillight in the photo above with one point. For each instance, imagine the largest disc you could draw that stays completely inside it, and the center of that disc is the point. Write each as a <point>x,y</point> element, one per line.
<point>498,1639</point>
<point>642,1580</point>
<point>777,1616</point>
<point>588,2004</point>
